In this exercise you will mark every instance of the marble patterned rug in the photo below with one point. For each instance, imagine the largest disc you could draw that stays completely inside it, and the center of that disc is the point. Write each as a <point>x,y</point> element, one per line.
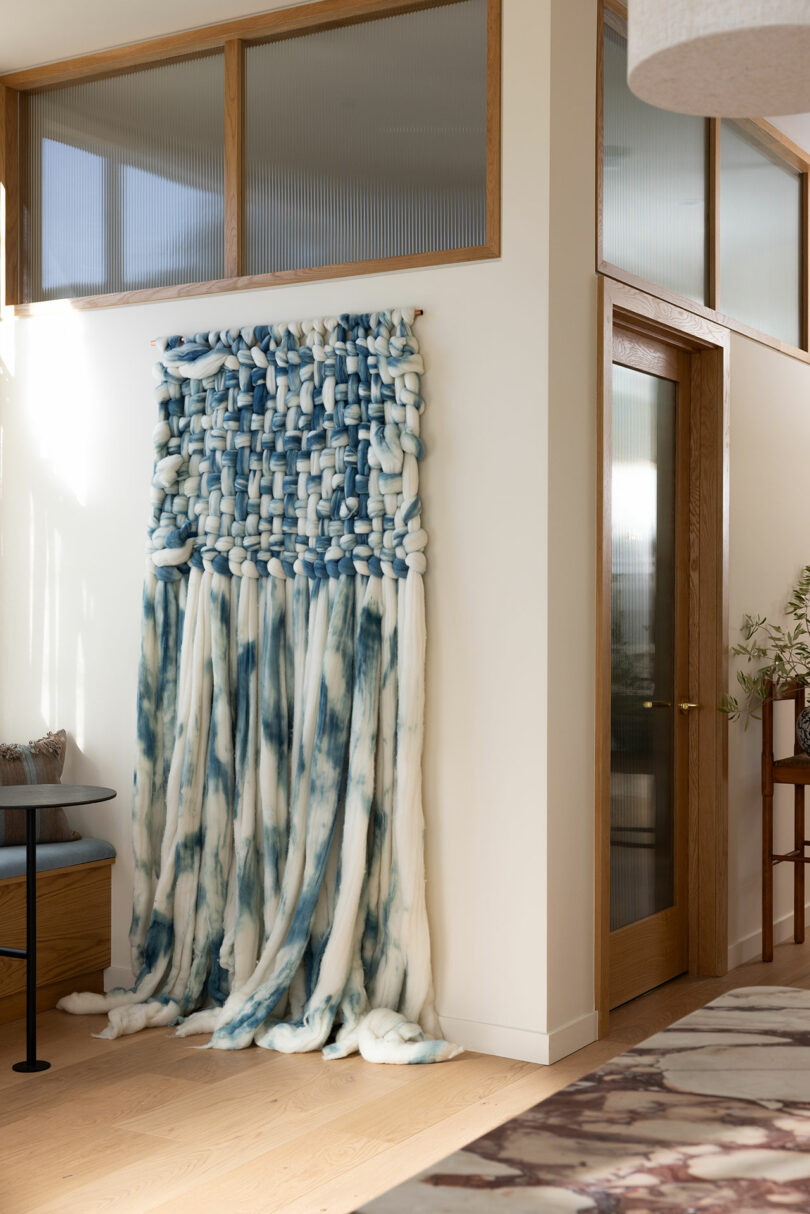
<point>713,1114</point>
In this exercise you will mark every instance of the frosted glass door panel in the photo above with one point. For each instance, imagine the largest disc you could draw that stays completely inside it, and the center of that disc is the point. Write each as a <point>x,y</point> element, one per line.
<point>654,185</point>
<point>760,237</point>
<point>124,181</point>
<point>642,836</point>
<point>367,141</point>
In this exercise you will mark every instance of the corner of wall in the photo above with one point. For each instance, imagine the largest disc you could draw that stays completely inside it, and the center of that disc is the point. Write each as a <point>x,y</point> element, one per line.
<point>522,1044</point>
<point>572,523</point>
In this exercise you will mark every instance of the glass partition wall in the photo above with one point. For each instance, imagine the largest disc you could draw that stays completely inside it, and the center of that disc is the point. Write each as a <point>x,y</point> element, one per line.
<point>123,181</point>
<point>377,144</point>
<point>653,183</point>
<point>712,214</point>
<point>759,226</point>
<point>301,142</point>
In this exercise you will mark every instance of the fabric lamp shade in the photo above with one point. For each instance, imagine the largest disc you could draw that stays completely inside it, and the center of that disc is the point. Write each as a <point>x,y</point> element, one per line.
<point>728,58</point>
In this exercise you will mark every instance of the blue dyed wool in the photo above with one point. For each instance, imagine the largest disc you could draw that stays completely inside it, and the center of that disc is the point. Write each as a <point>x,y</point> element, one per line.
<point>277,817</point>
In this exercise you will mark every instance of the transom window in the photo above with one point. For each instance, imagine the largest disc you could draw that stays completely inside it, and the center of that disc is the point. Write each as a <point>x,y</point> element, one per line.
<point>710,211</point>
<point>304,142</point>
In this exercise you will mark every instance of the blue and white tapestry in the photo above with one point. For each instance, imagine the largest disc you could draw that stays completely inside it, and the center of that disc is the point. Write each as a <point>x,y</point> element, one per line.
<point>279,872</point>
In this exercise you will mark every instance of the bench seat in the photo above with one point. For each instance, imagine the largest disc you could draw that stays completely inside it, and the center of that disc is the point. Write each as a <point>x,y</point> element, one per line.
<point>73,921</point>
<point>54,855</point>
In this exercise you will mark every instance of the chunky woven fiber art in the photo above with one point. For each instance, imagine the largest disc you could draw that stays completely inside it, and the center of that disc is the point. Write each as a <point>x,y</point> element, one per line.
<point>290,450</point>
<point>279,885</point>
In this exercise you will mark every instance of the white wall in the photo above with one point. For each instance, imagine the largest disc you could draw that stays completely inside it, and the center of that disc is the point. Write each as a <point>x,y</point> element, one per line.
<point>769,545</point>
<point>77,415</point>
<point>572,525</point>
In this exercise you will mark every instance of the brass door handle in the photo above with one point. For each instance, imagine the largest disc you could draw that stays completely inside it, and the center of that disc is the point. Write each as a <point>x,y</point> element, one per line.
<point>686,706</point>
<point>657,704</point>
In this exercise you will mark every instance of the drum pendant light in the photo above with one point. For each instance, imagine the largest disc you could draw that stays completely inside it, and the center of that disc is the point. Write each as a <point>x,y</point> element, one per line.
<point>721,58</point>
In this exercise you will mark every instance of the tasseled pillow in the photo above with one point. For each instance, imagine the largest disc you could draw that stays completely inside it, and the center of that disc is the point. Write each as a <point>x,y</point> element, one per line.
<point>39,762</point>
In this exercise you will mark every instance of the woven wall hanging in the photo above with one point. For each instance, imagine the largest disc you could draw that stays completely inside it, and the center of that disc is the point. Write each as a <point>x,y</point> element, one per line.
<point>279,873</point>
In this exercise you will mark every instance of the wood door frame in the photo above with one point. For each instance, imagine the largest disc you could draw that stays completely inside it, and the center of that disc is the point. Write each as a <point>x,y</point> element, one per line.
<point>708,345</point>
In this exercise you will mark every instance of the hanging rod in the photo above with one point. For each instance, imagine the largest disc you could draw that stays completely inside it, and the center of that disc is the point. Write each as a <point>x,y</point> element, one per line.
<point>417,312</point>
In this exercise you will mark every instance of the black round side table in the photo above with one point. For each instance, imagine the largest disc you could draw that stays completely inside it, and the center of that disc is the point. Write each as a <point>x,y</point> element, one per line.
<point>31,797</point>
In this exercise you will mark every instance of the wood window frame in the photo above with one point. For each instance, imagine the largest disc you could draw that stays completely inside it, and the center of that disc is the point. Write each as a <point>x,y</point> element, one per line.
<point>708,344</point>
<point>772,141</point>
<point>232,37</point>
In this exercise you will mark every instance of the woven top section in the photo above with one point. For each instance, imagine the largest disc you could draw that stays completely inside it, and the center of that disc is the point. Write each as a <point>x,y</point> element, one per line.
<point>292,448</point>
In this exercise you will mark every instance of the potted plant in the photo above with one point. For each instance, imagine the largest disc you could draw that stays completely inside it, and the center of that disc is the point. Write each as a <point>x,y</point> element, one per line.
<point>781,654</point>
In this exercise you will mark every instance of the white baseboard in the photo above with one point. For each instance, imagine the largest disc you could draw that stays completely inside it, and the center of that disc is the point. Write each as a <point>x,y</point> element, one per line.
<point>118,975</point>
<point>525,1045</point>
<point>750,947</point>
<point>572,1036</point>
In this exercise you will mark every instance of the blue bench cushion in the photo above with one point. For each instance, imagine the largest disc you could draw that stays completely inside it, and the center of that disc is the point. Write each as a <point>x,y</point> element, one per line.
<point>54,855</point>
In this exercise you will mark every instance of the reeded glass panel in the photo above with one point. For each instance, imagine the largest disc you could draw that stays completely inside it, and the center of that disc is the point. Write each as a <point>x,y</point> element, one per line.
<point>760,237</point>
<point>643,647</point>
<point>367,141</point>
<point>654,185</point>
<point>124,181</point>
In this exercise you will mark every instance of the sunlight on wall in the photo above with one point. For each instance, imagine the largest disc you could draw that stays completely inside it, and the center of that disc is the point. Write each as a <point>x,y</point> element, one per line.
<point>53,502</point>
<point>80,718</point>
<point>33,597</point>
<point>57,407</point>
<point>52,547</point>
<point>7,348</point>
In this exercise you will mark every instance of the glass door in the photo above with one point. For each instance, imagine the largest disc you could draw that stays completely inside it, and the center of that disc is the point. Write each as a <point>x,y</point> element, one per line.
<point>649,667</point>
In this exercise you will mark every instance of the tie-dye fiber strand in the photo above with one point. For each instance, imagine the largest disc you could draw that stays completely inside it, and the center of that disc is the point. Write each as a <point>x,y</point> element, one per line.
<point>279,875</point>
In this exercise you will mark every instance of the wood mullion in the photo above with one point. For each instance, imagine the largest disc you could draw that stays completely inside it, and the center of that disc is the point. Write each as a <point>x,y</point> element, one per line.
<point>221,286</point>
<point>775,141</point>
<point>600,130</point>
<point>234,157</point>
<point>604,561</point>
<point>713,232</point>
<point>10,152</point>
<point>804,237</point>
<point>699,311</point>
<point>493,199</point>
<point>263,27</point>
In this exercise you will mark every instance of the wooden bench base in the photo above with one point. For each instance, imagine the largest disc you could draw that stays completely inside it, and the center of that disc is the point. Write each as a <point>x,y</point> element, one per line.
<point>73,935</point>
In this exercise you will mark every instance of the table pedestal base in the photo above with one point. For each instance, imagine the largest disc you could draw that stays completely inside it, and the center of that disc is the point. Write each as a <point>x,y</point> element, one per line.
<point>31,798</point>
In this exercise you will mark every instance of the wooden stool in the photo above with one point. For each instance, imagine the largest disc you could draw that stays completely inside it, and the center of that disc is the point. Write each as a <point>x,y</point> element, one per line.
<point>796,771</point>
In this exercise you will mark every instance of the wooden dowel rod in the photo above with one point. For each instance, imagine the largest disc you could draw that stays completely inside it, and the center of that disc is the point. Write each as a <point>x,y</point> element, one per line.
<point>418,312</point>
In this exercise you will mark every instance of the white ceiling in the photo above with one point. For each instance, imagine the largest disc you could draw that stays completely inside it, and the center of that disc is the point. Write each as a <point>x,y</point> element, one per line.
<point>796,127</point>
<point>40,31</point>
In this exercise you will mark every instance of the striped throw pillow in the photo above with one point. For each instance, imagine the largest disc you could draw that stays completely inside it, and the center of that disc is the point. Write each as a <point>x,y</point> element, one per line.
<point>39,762</point>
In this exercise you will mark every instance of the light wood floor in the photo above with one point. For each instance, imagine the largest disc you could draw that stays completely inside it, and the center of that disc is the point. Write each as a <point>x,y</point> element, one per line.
<point>148,1123</point>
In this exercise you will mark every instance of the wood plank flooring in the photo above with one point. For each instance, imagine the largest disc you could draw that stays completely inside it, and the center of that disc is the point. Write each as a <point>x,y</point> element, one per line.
<point>150,1123</point>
